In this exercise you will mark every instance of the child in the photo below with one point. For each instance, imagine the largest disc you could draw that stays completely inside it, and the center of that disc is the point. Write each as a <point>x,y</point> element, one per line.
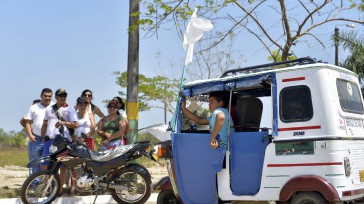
<point>218,122</point>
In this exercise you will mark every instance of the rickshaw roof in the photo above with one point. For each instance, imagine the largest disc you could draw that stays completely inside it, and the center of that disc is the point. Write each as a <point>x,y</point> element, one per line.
<point>250,79</point>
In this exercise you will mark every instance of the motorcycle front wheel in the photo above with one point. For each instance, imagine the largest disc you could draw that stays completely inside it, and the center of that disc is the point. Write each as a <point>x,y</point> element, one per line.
<point>137,181</point>
<point>40,187</point>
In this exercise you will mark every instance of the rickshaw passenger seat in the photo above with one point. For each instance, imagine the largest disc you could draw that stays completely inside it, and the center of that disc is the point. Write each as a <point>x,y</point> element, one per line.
<point>249,110</point>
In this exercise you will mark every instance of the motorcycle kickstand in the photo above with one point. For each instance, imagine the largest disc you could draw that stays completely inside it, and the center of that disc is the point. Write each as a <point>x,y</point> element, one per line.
<point>96,197</point>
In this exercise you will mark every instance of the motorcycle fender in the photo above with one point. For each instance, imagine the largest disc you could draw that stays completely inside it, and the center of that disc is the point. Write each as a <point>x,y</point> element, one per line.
<point>163,184</point>
<point>38,161</point>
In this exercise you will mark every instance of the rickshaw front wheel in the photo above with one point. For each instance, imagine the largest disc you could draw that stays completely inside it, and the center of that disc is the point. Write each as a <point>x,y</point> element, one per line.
<point>167,197</point>
<point>308,198</point>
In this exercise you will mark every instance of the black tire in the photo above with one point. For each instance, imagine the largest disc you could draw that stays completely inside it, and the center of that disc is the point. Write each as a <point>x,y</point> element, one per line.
<point>138,180</point>
<point>34,185</point>
<point>167,197</point>
<point>308,198</point>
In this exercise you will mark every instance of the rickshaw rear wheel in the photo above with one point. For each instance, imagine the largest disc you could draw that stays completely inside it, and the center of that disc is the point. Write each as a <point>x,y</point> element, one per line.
<point>167,197</point>
<point>308,198</point>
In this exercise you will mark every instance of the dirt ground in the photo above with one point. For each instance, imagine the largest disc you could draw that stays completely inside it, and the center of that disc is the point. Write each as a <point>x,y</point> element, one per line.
<point>14,176</point>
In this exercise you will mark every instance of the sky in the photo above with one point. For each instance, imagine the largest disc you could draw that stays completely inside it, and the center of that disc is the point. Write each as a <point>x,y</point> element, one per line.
<point>77,45</point>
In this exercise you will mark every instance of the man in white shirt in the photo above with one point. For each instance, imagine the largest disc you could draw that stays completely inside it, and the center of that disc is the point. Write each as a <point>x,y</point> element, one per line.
<point>33,123</point>
<point>67,117</point>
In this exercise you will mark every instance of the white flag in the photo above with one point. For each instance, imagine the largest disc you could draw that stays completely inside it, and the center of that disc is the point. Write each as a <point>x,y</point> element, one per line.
<point>194,33</point>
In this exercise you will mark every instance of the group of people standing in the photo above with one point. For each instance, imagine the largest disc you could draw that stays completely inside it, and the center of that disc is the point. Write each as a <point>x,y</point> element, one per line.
<point>44,119</point>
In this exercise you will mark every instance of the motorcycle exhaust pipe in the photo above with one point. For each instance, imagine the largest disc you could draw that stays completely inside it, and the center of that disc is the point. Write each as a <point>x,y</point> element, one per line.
<point>113,186</point>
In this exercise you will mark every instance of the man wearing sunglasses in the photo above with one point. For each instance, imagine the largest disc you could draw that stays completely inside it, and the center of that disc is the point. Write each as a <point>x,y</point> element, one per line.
<point>57,115</point>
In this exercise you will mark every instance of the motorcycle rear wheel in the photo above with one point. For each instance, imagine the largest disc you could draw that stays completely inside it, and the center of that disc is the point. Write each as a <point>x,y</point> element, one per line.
<point>35,190</point>
<point>138,181</point>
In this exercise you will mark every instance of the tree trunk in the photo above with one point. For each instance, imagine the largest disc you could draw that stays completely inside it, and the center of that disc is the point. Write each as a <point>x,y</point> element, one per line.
<point>285,52</point>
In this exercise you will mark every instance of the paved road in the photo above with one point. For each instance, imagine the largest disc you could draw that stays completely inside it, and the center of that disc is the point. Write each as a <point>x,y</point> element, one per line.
<point>79,200</point>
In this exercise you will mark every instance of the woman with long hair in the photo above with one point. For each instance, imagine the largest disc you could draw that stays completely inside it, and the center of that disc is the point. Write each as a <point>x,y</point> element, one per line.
<point>112,128</point>
<point>92,108</point>
<point>122,112</point>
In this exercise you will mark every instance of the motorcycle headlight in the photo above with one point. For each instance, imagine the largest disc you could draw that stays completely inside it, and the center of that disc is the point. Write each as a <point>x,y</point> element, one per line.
<point>53,149</point>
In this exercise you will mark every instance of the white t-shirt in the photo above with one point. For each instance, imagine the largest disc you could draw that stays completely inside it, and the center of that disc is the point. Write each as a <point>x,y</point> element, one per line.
<point>36,114</point>
<point>123,113</point>
<point>84,125</point>
<point>89,109</point>
<point>67,113</point>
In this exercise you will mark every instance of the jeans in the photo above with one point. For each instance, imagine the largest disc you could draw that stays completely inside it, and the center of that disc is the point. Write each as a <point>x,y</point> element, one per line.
<point>46,152</point>
<point>35,150</point>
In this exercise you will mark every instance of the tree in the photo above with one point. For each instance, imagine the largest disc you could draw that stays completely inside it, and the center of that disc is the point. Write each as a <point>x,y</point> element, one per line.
<point>157,88</point>
<point>287,23</point>
<point>211,63</point>
<point>355,44</point>
<point>18,139</point>
<point>279,57</point>
<point>214,62</point>
<point>13,139</point>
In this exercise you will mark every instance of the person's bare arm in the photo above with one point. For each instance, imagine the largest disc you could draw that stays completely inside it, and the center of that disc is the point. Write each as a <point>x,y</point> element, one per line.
<point>100,129</point>
<point>219,123</point>
<point>98,112</point>
<point>192,116</point>
<point>126,126</point>
<point>92,128</point>
<point>28,130</point>
<point>22,122</point>
<point>44,128</point>
<point>73,124</point>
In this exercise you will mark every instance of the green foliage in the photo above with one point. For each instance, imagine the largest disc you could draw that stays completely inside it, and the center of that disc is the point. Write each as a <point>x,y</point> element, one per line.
<point>4,138</point>
<point>18,140</point>
<point>359,4</point>
<point>354,42</point>
<point>13,139</point>
<point>160,12</point>
<point>277,57</point>
<point>283,30</point>
<point>158,88</point>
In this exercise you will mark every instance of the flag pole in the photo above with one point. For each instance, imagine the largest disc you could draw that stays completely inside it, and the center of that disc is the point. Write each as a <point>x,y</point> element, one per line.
<point>194,32</point>
<point>174,119</point>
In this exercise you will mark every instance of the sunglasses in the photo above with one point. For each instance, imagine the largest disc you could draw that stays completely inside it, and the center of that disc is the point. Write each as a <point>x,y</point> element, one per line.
<point>62,95</point>
<point>83,103</point>
<point>87,95</point>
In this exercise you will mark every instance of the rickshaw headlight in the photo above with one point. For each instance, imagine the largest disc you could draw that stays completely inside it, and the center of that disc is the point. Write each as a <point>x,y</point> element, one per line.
<point>347,166</point>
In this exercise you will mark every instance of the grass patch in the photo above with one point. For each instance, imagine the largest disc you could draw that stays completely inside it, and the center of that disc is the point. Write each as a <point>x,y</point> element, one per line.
<point>14,156</point>
<point>6,192</point>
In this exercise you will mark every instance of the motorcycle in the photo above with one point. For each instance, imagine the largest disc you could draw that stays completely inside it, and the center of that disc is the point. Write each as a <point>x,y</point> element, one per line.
<point>92,172</point>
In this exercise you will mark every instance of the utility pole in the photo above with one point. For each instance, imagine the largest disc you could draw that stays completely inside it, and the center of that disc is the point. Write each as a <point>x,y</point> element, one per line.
<point>336,39</point>
<point>133,72</point>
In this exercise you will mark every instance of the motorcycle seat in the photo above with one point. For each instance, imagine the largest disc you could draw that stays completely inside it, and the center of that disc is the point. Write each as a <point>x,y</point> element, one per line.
<point>108,155</point>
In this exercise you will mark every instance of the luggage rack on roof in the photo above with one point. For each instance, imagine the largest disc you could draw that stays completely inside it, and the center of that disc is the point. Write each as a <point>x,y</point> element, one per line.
<point>257,68</point>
